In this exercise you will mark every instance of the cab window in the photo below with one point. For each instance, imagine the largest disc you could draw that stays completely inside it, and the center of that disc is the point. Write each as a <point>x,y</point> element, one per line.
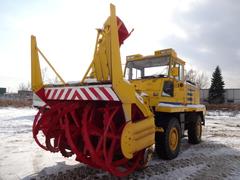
<point>167,89</point>
<point>150,67</point>
<point>180,71</point>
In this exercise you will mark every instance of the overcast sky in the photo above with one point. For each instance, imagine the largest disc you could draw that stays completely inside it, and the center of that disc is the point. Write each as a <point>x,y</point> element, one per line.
<point>204,33</point>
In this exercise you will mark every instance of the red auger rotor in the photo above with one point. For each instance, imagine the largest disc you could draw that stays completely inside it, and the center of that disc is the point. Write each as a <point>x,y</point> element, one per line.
<point>89,129</point>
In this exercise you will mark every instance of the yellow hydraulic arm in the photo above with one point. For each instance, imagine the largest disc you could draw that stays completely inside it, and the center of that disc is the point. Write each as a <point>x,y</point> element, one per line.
<point>106,66</point>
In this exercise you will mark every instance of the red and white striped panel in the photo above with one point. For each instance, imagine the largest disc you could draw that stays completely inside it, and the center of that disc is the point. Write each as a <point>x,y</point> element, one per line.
<point>95,93</point>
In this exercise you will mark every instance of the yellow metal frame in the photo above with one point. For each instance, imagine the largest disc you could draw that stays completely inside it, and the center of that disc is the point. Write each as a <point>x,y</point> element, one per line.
<point>139,135</point>
<point>36,75</point>
<point>95,51</point>
<point>180,108</point>
<point>44,57</point>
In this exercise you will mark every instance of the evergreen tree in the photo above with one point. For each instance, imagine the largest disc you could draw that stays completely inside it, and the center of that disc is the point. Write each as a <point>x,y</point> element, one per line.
<point>216,91</point>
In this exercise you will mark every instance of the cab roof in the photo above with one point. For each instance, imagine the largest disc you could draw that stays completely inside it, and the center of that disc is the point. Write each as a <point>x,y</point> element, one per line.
<point>159,53</point>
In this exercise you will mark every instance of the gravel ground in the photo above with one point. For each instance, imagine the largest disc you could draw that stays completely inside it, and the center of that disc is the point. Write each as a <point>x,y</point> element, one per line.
<point>217,157</point>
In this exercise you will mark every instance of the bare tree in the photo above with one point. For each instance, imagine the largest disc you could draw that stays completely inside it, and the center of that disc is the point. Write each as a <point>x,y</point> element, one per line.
<point>24,86</point>
<point>191,75</point>
<point>46,75</point>
<point>44,71</point>
<point>53,80</point>
<point>199,78</point>
<point>202,80</point>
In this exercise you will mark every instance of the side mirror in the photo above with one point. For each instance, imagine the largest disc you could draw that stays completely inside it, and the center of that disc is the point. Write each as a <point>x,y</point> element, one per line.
<point>175,71</point>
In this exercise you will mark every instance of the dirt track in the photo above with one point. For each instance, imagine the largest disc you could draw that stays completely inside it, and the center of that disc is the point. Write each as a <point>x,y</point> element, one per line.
<point>217,157</point>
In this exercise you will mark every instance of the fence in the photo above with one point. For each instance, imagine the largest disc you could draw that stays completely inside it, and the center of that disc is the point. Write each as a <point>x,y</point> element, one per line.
<point>231,95</point>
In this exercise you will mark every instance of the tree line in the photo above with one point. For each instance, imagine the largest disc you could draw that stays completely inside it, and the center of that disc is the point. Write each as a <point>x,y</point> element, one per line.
<point>216,90</point>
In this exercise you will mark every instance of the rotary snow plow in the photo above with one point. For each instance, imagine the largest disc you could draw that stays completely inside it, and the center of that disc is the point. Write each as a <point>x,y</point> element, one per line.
<point>105,123</point>
<point>111,123</point>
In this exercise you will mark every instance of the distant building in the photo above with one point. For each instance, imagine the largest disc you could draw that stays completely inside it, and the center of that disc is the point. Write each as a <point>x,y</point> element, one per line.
<point>25,93</point>
<point>3,91</point>
<point>231,95</point>
<point>21,95</point>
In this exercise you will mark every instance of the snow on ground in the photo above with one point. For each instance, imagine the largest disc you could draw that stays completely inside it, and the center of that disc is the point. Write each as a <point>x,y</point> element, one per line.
<point>217,157</point>
<point>19,154</point>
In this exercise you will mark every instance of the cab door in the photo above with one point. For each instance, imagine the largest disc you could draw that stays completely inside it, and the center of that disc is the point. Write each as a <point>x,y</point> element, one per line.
<point>178,83</point>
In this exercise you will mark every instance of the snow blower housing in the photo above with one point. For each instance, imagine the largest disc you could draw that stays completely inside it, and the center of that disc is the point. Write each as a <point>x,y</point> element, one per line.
<point>109,122</point>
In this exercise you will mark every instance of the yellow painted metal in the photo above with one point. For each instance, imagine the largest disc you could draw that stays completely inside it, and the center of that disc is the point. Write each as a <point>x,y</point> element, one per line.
<point>94,56</point>
<point>36,77</point>
<point>165,52</point>
<point>101,64</point>
<point>152,87</point>
<point>44,57</point>
<point>125,91</point>
<point>142,133</point>
<point>173,139</point>
<point>87,72</point>
<point>159,129</point>
<point>174,71</point>
<point>183,108</point>
<point>183,93</point>
<point>134,57</point>
<point>137,136</point>
<point>106,67</point>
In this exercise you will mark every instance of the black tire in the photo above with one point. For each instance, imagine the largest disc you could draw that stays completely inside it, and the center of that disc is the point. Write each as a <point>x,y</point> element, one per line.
<point>195,130</point>
<point>163,147</point>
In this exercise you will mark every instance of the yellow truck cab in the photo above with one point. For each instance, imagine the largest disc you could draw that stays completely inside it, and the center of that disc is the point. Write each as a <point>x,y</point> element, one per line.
<point>159,78</point>
<point>160,81</point>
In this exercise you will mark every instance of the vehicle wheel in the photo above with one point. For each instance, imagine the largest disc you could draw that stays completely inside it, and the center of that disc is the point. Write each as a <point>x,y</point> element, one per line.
<point>195,131</point>
<point>167,144</point>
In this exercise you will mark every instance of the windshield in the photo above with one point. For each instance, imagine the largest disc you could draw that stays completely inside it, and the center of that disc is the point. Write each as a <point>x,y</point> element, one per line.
<point>148,68</point>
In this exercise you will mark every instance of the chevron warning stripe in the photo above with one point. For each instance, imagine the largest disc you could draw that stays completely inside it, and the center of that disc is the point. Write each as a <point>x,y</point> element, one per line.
<point>95,93</point>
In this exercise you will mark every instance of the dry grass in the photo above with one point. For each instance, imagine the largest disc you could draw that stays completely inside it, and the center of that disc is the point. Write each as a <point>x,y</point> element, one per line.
<point>15,103</point>
<point>28,103</point>
<point>223,107</point>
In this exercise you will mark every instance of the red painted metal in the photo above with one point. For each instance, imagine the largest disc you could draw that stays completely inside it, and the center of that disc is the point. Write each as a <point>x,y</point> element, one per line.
<point>91,130</point>
<point>114,123</point>
<point>83,93</point>
<point>37,127</point>
<point>73,132</point>
<point>42,124</point>
<point>123,33</point>
<point>48,123</point>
